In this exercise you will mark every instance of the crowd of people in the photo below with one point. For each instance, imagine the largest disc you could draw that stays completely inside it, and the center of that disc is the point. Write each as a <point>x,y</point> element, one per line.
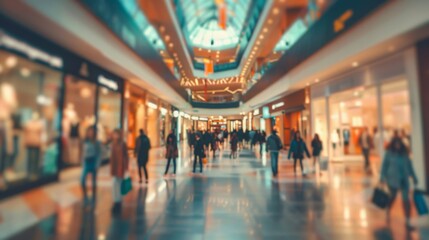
<point>395,171</point>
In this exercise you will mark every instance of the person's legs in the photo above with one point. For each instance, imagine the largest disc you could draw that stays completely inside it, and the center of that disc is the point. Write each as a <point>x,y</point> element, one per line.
<point>406,205</point>
<point>201,163</point>
<point>83,181</point>
<point>366,157</point>
<point>94,184</point>
<point>392,192</point>
<point>174,165</point>
<point>294,165</point>
<point>302,167</point>
<point>276,162</point>
<point>145,171</point>
<point>195,163</point>
<point>116,193</point>
<point>260,148</point>
<point>168,165</point>
<point>139,167</point>
<point>273,163</point>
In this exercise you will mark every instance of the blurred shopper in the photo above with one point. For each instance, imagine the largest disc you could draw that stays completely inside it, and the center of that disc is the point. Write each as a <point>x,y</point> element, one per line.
<point>142,154</point>
<point>91,157</point>
<point>262,140</point>
<point>246,137</point>
<point>365,142</point>
<point>206,138</point>
<point>118,167</point>
<point>317,148</point>
<point>234,145</point>
<point>396,170</point>
<point>240,136</point>
<point>191,139</point>
<point>297,150</point>
<point>172,151</point>
<point>274,145</point>
<point>198,153</point>
<point>252,134</point>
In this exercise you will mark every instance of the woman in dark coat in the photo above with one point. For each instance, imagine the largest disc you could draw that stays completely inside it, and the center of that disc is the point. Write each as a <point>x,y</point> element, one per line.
<point>297,150</point>
<point>234,146</point>
<point>171,151</point>
<point>317,147</point>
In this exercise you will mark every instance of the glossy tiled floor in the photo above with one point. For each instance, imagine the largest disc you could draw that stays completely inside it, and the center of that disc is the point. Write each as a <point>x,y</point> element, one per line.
<point>232,199</point>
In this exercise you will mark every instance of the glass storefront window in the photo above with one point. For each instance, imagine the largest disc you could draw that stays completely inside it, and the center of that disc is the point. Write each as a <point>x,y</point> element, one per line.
<point>109,117</point>
<point>29,120</point>
<point>351,112</point>
<point>320,124</point>
<point>396,113</point>
<point>78,115</point>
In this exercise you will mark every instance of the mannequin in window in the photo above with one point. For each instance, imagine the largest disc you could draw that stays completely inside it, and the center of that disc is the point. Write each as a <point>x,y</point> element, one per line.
<point>346,140</point>
<point>33,140</point>
<point>334,140</point>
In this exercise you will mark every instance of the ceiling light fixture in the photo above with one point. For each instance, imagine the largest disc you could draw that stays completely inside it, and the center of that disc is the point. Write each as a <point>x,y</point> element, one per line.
<point>261,36</point>
<point>270,21</point>
<point>167,38</point>
<point>161,28</point>
<point>317,80</point>
<point>276,11</point>
<point>171,45</point>
<point>265,30</point>
<point>355,64</point>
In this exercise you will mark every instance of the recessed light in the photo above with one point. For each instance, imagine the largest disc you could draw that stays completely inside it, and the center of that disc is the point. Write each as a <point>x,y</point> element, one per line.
<point>167,38</point>
<point>308,84</point>
<point>276,11</point>
<point>162,52</point>
<point>258,42</point>
<point>162,28</point>
<point>270,21</point>
<point>209,51</point>
<point>265,30</point>
<point>171,45</point>
<point>317,80</point>
<point>355,64</point>
<point>25,72</point>
<point>11,61</point>
<point>261,36</point>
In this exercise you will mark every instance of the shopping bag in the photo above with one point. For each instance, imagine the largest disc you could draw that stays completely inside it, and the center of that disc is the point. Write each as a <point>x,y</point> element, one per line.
<point>205,161</point>
<point>420,202</point>
<point>324,164</point>
<point>380,197</point>
<point>126,185</point>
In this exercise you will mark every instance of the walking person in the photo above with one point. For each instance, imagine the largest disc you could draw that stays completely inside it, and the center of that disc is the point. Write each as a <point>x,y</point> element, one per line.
<point>118,167</point>
<point>365,142</point>
<point>142,154</point>
<point>297,150</point>
<point>316,145</point>
<point>198,153</point>
<point>262,140</point>
<point>172,152</point>
<point>91,154</point>
<point>396,170</point>
<point>274,145</point>
<point>234,145</point>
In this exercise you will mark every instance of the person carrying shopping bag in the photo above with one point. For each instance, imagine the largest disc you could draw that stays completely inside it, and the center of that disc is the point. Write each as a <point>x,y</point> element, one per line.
<point>297,150</point>
<point>396,170</point>
<point>118,168</point>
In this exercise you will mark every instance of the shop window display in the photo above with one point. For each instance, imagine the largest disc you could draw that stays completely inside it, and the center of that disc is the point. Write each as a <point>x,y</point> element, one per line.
<point>109,117</point>
<point>29,120</point>
<point>78,115</point>
<point>350,113</point>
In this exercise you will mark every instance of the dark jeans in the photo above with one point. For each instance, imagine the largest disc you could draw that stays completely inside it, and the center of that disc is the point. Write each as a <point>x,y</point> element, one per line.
<point>260,147</point>
<point>300,163</point>
<point>168,165</point>
<point>365,152</point>
<point>89,167</point>
<point>141,165</point>
<point>198,157</point>
<point>274,162</point>
<point>33,156</point>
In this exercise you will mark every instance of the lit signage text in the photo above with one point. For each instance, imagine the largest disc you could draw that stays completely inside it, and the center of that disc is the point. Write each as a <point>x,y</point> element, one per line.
<point>256,112</point>
<point>277,105</point>
<point>108,82</point>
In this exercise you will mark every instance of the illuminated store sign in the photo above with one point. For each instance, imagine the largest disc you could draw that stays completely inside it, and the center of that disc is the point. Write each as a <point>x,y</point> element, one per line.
<point>33,53</point>
<point>108,82</point>
<point>277,105</point>
<point>203,119</point>
<point>266,112</point>
<point>187,116</point>
<point>175,113</point>
<point>152,105</point>
<point>194,118</point>
<point>163,110</point>
<point>256,112</point>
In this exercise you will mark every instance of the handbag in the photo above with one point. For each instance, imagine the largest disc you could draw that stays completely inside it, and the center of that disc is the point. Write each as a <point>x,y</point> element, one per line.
<point>324,164</point>
<point>126,184</point>
<point>380,197</point>
<point>420,202</point>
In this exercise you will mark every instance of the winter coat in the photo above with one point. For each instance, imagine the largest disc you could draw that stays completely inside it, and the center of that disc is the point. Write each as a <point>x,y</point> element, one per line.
<point>297,149</point>
<point>199,148</point>
<point>396,170</point>
<point>171,147</point>
<point>142,149</point>
<point>317,147</point>
<point>274,143</point>
<point>118,159</point>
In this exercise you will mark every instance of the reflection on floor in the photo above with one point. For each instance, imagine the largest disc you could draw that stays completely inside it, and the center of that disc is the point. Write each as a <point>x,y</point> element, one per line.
<point>232,199</point>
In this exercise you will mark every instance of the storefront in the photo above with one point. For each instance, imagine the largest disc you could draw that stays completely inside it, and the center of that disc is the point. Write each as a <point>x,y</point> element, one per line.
<point>288,115</point>
<point>375,97</point>
<point>219,123</point>
<point>135,112</point>
<point>235,124</point>
<point>48,97</point>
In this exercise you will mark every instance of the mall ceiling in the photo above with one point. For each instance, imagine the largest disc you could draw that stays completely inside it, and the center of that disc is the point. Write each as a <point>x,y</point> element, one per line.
<point>216,50</point>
